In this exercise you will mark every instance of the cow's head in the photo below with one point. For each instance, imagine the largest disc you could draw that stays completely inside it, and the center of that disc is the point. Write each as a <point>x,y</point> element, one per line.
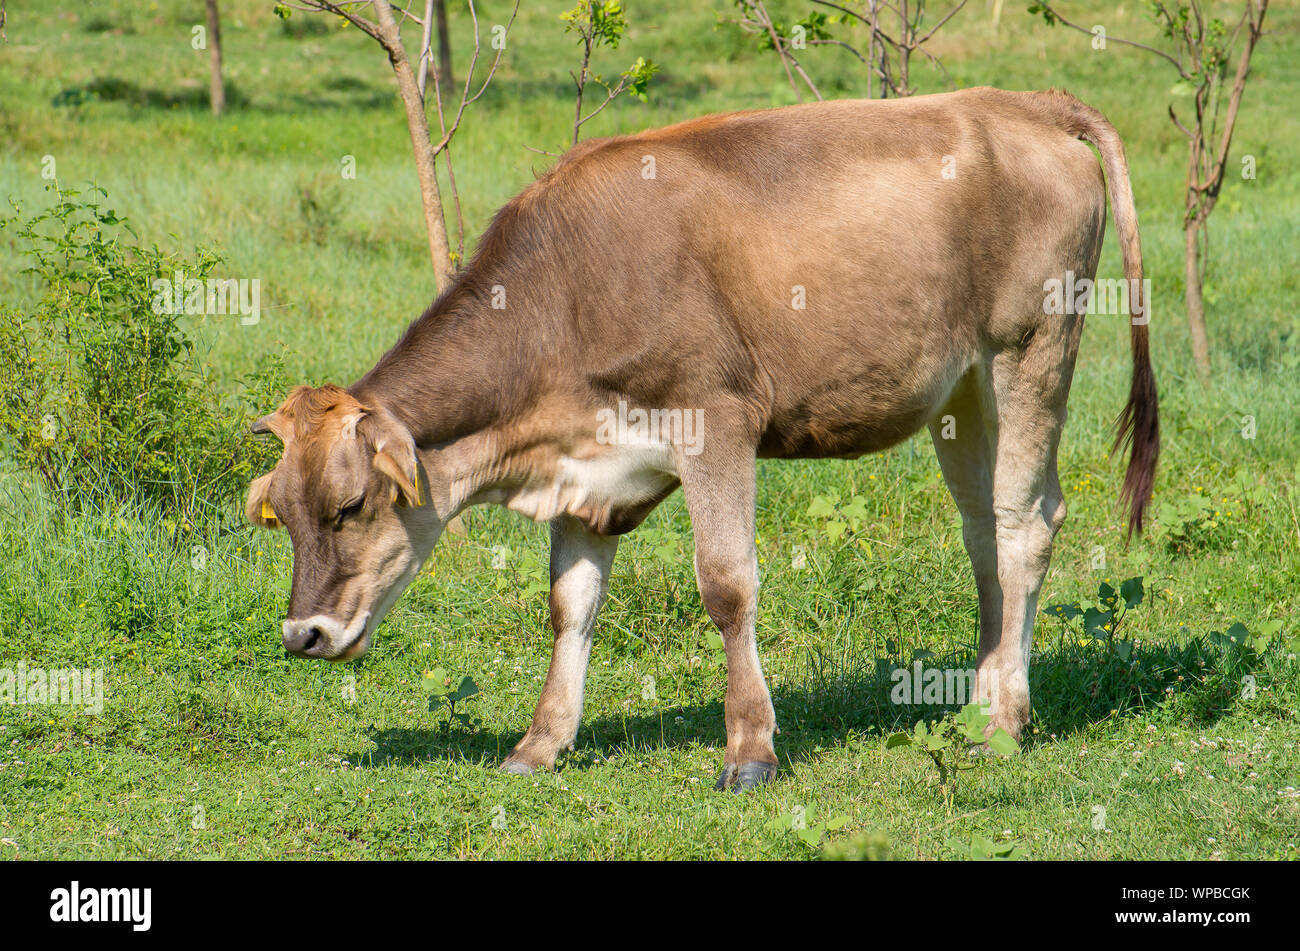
<point>356,501</point>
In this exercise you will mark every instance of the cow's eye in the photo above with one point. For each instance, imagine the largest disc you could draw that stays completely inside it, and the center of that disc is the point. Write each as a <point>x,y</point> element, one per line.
<point>348,510</point>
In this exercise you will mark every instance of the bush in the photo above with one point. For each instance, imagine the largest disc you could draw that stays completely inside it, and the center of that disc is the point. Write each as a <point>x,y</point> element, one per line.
<point>104,396</point>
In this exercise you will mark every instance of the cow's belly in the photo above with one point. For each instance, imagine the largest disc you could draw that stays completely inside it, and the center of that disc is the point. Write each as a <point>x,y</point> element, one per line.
<point>846,413</point>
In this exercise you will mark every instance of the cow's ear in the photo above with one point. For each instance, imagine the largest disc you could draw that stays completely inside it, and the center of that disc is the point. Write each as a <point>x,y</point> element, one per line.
<point>258,509</point>
<point>394,455</point>
<point>277,424</point>
<point>405,477</point>
<point>348,425</point>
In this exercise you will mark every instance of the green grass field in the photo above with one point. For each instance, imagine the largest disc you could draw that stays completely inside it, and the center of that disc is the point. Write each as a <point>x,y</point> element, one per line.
<point>212,742</point>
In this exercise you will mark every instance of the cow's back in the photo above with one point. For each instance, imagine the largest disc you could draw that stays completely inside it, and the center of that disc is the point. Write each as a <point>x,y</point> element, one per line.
<point>836,265</point>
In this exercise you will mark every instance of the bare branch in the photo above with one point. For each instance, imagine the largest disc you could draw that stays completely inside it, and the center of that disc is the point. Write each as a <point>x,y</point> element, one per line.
<point>1118,39</point>
<point>544,151</point>
<point>1238,88</point>
<point>610,96</point>
<point>761,21</point>
<point>886,51</point>
<point>369,27</point>
<point>951,13</point>
<point>847,46</point>
<point>873,25</point>
<point>1186,131</point>
<point>465,98</point>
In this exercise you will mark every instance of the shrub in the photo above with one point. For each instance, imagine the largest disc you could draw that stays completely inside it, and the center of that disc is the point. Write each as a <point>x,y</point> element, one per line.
<point>102,394</point>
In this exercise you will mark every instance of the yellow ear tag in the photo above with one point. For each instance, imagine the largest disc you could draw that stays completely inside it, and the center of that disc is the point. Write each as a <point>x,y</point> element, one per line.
<point>268,513</point>
<point>399,498</point>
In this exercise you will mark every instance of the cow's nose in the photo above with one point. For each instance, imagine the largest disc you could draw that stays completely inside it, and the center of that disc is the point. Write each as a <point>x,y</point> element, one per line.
<point>301,636</point>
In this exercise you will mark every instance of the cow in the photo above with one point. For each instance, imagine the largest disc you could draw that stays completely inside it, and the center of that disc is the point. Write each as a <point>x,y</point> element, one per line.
<point>814,281</point>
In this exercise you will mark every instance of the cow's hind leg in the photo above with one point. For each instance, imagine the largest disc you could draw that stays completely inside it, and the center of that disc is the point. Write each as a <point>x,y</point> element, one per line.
<point>965,441</point>
<point>580,566</point>
<point>1031,387</point>
<point>1001,468</point>
<point>719,486</point>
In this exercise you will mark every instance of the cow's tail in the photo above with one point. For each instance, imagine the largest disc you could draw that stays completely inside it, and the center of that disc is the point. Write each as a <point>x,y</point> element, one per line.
<point>1137,428</point>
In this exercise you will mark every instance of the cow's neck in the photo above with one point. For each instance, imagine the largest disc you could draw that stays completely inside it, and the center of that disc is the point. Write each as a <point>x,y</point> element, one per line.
<point>457,370</point>
<point>476,397</point>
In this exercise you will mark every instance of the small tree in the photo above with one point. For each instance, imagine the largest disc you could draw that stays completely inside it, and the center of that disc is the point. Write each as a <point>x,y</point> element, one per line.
<point>386,31</point>
<point>1199,50</point>
<point>887,54</point>
<point>890,53</point>
<point>602,23</point>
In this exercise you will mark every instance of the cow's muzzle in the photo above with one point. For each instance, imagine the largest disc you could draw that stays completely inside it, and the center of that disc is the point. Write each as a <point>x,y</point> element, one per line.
<point>325,638</point>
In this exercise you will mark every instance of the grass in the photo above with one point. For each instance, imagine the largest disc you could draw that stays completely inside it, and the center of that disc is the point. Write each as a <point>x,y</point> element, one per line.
<point>213,742</point>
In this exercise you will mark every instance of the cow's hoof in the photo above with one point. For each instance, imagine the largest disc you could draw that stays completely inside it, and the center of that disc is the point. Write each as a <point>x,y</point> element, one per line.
<point>743,778</point>
<point>516,768</point>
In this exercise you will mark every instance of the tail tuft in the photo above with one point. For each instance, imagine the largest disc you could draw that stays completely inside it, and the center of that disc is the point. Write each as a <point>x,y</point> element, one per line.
<point>1137,429</point>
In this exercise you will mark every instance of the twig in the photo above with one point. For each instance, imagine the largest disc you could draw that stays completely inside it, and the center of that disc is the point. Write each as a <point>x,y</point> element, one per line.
<point>1177,63</point>
<point>466,99</point>
<point>758,20</point>
<point>934,29</point>
<point>368,27</point>
<point>444,144</point>
<point>610,96</point>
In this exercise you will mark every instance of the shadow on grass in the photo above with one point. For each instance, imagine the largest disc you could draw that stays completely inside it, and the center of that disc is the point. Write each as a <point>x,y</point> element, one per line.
<point>337,92</point>
<point>116,89</point>
<point>1073,688</point>
<point>351,92</point>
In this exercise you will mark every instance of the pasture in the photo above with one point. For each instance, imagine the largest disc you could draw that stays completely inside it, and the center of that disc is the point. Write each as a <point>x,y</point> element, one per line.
<point>1167,740</point>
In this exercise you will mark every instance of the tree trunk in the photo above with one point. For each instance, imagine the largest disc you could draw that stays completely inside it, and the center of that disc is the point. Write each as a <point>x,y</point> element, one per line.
<point>444,45</point>
<point>1192,296</point>
<point>425,168</point>
<point>1203,192</point>
<point>418,125</point>
<point>218,86</point>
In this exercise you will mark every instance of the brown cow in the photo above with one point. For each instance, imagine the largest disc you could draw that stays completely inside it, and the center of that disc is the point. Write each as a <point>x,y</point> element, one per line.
<point>815,281</point>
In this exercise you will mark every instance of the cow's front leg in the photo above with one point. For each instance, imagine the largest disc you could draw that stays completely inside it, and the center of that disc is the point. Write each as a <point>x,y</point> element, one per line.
<point>719,489</point>
<point>580,564</point>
